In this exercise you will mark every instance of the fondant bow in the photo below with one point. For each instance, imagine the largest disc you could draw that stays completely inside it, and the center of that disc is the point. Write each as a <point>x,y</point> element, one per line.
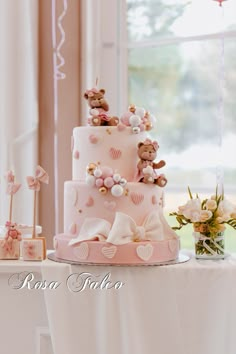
<point>40,176</point>
<point>153,143</point>
<point>12,187</point>
<point>125,230</point>
<point>91,92</point>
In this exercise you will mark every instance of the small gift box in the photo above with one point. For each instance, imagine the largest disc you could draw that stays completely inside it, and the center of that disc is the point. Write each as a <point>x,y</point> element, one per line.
<point>33,249</point>
<point>9,249</point>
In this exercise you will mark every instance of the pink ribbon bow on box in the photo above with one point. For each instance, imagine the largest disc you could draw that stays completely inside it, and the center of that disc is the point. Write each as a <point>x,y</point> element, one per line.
<point>125,229</point>
<point>40,176</point>
<point>12,187</point>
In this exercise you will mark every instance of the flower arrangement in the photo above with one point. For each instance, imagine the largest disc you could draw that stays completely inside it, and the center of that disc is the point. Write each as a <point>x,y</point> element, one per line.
<point>208,217</point>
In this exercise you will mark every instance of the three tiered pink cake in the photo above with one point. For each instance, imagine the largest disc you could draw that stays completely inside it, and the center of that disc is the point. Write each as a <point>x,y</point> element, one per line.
<point>113,207</point>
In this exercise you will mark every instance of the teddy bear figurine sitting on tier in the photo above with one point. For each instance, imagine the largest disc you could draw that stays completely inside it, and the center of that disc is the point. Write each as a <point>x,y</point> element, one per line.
<point>147,152</point>
<point>99,108</point>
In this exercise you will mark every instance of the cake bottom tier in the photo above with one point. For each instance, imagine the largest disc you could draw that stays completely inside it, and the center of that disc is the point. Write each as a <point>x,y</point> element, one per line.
<point>101,252</point>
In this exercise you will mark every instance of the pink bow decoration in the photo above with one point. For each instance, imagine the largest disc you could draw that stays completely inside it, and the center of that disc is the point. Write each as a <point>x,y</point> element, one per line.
<point>40,176</point>
<point>153,143</point>
<point>91,92</point>
<point>10,177</point>
<point>125,229</point>
<point>12,187</point>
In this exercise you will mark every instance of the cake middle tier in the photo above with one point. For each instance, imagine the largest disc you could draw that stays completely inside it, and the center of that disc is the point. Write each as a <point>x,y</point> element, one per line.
<point>115,147</point>
<point>81,202</point>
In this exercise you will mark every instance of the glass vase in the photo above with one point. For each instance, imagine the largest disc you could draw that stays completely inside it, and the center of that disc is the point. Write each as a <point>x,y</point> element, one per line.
<point>209,246</point>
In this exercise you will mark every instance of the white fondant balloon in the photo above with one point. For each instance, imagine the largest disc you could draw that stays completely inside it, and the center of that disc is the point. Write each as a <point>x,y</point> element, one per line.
<point>134,120</point>
<point>98,172</point>
<point>136,130</point>
<point>90,180</point>
<point>117,190</point>
<point>140,111</point>
<point>123,182</point>
<point>116,177</point>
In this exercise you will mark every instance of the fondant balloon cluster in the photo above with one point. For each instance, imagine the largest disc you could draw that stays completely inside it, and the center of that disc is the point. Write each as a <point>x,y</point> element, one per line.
<point>138,118</point>
<point>104,178</point>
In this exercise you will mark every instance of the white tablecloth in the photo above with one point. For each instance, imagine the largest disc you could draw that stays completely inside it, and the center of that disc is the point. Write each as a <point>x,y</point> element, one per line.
<point>187,308</point>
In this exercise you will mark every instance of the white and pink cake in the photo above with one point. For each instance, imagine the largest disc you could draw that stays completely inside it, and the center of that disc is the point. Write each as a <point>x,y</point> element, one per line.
<point>112,213</point>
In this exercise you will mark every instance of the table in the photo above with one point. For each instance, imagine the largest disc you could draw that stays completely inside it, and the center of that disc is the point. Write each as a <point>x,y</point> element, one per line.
<point>24,324</point>
<point>187,308</point>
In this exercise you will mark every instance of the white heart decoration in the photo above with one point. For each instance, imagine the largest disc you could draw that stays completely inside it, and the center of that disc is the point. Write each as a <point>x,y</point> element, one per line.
<point>109,252</point>
<point>109,205</point>
<point>173,244</point>
<point>81,252</point>
<point>145,251</point>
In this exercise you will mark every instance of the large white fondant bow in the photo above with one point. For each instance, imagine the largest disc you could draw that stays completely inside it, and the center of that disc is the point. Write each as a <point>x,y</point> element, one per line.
<point>125,230</point>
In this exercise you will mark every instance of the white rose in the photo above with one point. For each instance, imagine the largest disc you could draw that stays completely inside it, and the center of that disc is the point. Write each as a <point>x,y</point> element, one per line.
<point>191,207</point>
<point>195,216</point>
<point>211,204</point>
<point>205,215</point>
<point>225,207</point>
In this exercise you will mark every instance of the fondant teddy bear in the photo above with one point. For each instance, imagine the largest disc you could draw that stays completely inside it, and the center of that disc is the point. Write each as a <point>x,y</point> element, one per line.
<point>12,232</point>
<point>147,152</point>
<point>99,108</point>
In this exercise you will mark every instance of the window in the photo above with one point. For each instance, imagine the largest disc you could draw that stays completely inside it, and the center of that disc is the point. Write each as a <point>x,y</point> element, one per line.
<point>174,59</point>
<point>179,56</point>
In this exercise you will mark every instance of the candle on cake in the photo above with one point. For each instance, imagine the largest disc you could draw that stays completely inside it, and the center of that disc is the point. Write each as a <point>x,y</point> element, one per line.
<point>34,249</point>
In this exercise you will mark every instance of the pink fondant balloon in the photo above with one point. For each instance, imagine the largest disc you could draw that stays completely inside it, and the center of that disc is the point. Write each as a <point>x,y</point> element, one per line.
<point>109,182</point>
<point>99,182</point>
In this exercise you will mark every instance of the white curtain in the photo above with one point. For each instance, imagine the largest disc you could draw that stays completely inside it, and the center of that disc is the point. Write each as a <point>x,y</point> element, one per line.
<point>18,102</point>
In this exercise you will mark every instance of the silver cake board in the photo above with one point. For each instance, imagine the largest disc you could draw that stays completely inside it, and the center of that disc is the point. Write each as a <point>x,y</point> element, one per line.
<point>181,259</point>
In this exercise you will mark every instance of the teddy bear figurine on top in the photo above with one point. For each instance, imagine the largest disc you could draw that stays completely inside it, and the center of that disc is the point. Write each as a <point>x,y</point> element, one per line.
<point>147,152</point>
<point>99,108</point>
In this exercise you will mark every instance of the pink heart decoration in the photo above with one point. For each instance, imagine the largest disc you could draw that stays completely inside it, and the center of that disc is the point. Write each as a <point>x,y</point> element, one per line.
<point>173,244</point>
<point>93,139</point>
<point>115,153</point>
<point>109,252</point>
<point>109,205</point>
<point>76,154</point>
<point>145,251</point>
<point>81,252</point>
<point>89,202</point>
<point>73,229</point>
<point>136,198</point>
<point>154,200</point>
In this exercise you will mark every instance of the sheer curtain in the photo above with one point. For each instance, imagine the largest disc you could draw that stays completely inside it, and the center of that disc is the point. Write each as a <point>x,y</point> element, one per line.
<point>18,101</point>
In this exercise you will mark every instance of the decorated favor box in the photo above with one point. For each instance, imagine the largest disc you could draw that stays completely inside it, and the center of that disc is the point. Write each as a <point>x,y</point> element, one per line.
<point>34,248</point>
<point>9,249</point>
